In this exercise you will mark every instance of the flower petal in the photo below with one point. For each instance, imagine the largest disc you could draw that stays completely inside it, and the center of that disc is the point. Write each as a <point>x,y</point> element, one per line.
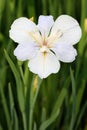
<point>22,29</point>
<point>65,52</point>
<point>25,51</point>
<point>44,64</point>
<point>71,31</point>
<point>72,36</point>
<point>44,24</point>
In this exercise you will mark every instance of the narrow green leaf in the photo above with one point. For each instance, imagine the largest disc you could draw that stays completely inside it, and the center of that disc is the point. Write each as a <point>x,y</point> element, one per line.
<point>1,127</point>
<point>22,76</point>
<point>44,7</point>
<point>18,82</point>
<point>79,96</point>
<point>50,120</point>
<point>35,86</point>
<point>20,8</point>
<point>2,5</point>
<point>59,101</point>
<point>5,107</point>
<point>11,101</point>
<point>80,115</point>
<point>35,126</point>
<point>43,114</point>
<point>56,110</point>
<point>3,75</point>
<point>16,122</point>
<point>31,8</point>
<point>61,96</point>
<point>14,118</point>
<point>24,120</point>
<point>81,46</point>
<point>73,100</point>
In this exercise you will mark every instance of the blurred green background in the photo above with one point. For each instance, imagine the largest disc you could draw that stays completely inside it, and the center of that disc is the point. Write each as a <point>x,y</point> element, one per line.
<point>62,100</point>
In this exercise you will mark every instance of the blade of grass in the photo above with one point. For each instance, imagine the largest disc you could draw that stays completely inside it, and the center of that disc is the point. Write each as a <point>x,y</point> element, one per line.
<point>43,114</point>
<point>73,100</point>
<point>49,121</point>
<point>31,8</point>
<point>35,126</point>
<point>56,110</point>
<point>1,127</point>
<point>44,3</point>
<point>20,8</point>
<point>19,84</point>
<point>82,43</point>
<point>26,74</point>
<point>14,118</point>
<point>59,99</point>
<point>35,86</point>
<point>10,97</point>
<point>22,76</point>
<point>16,122</point>
<point>80,115</point>
<point>11,102</point>
<point>79,96</point>
<point>2,6</point>
<point>69,7</point>
<point>5,107</point>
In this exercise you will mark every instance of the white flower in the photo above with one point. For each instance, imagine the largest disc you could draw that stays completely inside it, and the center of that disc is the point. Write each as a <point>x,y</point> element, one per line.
<point>46,43</point>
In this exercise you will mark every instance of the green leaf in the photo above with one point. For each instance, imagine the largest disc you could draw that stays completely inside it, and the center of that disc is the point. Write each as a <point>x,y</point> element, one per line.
<point>11,101</point>
<point>73,100</point>
<point>80,115</point>
<point>16,122</point>
<point>35,86</point>
<point>5,107</point>
<point>3,71</point>
<point>14,118</point>
<point>2,5</point>
<point>61,97</point>
<point>49,121</point>
<point>79,96</point>
<point>56,110</point>
<point>43,114</point>
<point>1,127</point>
<point>18,82</point>
<point>31,8</point>
<point>35,126</point>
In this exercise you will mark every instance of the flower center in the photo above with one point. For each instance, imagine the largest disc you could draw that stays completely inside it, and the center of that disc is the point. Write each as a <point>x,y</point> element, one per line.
<point>44,49</point>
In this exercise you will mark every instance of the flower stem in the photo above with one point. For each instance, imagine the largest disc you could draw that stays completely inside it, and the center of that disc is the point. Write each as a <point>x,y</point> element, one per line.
<point>35,87</point>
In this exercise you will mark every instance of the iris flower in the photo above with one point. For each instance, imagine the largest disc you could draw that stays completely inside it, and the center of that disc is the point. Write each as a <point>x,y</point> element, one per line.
<point>47,43</point>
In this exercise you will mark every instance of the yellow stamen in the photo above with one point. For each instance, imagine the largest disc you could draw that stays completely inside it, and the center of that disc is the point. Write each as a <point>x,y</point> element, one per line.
<point>85,25</point>
<point>54,37</point>
<point>34,36</point>
<point>32,19</point>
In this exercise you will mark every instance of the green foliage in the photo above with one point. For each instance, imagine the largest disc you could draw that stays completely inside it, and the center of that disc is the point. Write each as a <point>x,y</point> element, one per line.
<point>28,103</point>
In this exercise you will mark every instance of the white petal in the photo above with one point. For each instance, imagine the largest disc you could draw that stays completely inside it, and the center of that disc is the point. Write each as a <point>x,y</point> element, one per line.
<point>21,30</point>
<point>71,31</point>
<point>64,52</point>
<point>44,65</point>
<point>25,51</point>
<point>44,24</point>
<point>64,22</point>
<point>72,36</point>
